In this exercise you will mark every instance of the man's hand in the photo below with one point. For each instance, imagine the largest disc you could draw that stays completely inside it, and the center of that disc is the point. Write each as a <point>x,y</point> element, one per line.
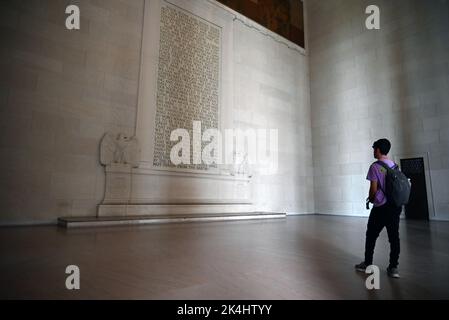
<point>372,191</point>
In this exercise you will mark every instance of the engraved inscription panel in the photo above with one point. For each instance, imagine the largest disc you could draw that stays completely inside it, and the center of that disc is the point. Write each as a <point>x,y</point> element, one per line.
<point>188,80</point>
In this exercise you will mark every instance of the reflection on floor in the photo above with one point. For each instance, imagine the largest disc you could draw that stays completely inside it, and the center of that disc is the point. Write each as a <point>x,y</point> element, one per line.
<point>301,257</point>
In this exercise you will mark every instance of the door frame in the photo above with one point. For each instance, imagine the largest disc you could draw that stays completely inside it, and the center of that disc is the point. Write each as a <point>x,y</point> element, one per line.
<point>425,156</point>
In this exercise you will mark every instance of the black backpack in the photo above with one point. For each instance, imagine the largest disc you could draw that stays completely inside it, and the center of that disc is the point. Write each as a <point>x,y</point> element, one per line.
<point>397,185</point>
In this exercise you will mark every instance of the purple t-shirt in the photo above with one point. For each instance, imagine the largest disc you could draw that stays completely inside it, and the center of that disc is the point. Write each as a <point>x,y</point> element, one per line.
<point>377,173</point>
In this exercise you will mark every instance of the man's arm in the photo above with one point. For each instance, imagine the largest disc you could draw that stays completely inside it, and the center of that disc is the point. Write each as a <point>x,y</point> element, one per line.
<point>372,191</point>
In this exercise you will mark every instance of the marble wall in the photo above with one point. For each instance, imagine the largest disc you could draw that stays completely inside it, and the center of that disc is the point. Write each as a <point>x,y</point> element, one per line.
<point>370,84</point>
<point>61,90</point>
<point>272,91</point>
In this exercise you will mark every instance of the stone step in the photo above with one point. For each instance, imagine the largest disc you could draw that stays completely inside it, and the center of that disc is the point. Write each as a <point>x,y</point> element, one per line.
<point>79,222</point>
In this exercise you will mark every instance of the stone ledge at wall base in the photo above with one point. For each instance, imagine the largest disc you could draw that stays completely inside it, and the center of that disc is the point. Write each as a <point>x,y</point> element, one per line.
<point>149,192</point>
<point>84,222</point>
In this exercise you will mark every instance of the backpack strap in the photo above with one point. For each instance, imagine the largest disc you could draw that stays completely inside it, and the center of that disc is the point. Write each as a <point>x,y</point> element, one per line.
<point>383,165</point>
<point>386,167</point>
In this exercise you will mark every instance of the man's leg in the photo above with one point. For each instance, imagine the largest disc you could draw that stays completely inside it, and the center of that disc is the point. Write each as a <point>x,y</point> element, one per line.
<point>375,226</point>
<point>393,236</point>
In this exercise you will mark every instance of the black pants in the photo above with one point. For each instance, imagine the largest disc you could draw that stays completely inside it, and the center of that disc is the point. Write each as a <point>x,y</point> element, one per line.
<point>380,217</point>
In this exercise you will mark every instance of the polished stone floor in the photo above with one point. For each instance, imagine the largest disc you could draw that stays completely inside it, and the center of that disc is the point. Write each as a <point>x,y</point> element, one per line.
<point>301,257</point>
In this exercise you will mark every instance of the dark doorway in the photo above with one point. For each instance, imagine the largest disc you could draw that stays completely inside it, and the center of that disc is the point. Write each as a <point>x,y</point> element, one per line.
<point>417,208</point>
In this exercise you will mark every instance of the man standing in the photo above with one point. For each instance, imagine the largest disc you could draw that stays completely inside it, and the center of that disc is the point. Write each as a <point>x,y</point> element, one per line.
<point>384,213</point>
